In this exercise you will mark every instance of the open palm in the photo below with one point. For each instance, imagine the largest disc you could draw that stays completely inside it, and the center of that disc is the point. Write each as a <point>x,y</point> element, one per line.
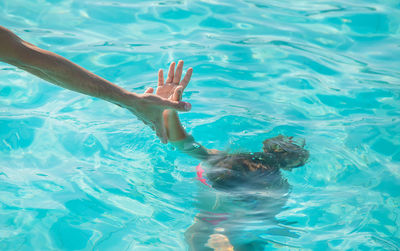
<point>152,106</point>
<point>173,84</point>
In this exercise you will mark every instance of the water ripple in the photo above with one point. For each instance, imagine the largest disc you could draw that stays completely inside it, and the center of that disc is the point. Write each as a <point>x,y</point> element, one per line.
<point>77,173</point>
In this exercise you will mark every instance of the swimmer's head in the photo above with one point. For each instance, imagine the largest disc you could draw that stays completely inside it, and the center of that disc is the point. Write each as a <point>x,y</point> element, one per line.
<point>256,170</point>
<point>288,154</point>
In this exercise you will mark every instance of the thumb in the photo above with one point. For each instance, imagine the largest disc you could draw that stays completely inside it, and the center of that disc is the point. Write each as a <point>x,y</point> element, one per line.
<point>177,105</point>
<point>149,90</point>
<point>177,96</point>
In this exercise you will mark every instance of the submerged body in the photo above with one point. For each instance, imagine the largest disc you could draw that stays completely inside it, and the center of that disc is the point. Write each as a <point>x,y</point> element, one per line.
<point>257,170</point>
<point>244,217</point>
<point>249,189</point>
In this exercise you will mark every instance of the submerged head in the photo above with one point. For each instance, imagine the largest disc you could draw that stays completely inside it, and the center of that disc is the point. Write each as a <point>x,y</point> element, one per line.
<point>288,154</point>
<point>257,169</point>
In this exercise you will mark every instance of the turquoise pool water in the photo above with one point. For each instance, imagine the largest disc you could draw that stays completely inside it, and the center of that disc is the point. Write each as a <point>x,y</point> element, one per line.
<point>77,173</point>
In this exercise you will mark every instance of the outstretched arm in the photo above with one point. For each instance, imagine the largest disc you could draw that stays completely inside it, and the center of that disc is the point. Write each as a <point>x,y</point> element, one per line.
<point>62,72</point>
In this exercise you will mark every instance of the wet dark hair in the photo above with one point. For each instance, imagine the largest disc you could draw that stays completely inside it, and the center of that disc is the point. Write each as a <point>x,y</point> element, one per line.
<point>259,169</point>
<point>287,153</point>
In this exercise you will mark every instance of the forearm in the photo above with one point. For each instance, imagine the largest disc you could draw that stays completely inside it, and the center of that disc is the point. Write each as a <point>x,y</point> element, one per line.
<point>58,70</point>
<point>66,74</point>
<point>175,130</point>
<point>184,142</point>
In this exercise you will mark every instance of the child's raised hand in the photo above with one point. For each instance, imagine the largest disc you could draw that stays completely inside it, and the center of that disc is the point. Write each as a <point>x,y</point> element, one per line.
<point>173,86</point>
<point>173,89</point>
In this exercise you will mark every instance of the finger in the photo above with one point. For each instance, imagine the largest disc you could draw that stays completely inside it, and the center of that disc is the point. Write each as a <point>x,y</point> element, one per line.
<point>160,77</point>
<point>177,105</point>
<point>186,78</point>
<point>170,73</point>
<point>178,73</point>
<point>164,103</point>
<point>149,90</point>
<point>177,96</point>
<point>161,131</point>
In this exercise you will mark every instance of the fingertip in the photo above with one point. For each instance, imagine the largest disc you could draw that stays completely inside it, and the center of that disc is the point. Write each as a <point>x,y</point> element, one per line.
<point>149,90</point>
<point>181,106</point>
<point>177,96</point>
<point>187,106</point>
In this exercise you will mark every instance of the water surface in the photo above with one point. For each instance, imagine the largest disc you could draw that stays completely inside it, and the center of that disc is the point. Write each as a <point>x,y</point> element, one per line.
<point>77,173</point>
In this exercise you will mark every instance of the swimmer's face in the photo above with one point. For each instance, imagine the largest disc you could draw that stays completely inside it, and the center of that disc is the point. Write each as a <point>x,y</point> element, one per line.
<point>289,155</point>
